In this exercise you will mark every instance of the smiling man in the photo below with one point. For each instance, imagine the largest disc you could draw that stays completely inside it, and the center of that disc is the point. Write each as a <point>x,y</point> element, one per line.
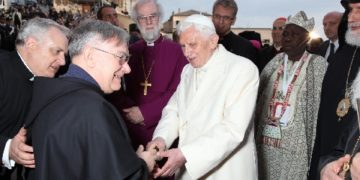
<point>75,132</point>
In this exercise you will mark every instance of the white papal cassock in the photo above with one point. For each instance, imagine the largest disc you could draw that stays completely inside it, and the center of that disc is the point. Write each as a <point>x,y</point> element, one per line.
<point>211,112</point>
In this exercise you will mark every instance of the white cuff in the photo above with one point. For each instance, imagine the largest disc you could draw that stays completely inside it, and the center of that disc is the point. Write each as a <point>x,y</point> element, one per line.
<point>7,162</point>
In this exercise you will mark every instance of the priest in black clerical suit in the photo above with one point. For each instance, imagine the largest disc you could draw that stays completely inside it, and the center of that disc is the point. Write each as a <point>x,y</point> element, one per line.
<point>33,57</point>
<point>224,16</point>
<point>75,132</point>
<point>15,95</point>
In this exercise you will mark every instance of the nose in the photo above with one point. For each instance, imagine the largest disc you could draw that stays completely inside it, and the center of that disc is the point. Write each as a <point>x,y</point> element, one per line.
<point>126,68</point>
<point>186,51</point>
<point>148,20</point>
<point>351,16</point>
<point>61,60</point>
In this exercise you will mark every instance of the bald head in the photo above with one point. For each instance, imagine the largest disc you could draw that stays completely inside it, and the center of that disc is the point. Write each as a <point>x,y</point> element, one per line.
<point>331,23</point>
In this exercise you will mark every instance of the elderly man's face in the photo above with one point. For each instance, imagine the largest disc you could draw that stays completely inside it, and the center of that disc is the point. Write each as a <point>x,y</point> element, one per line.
<point>111,64</point>
<point>197,48</point>
<point>277,30</point>
<point>223,18</point>
<point>148,21</point>
<point>48,54</point>
<point>331,23</point>
<point>294,39</point>
<point>354,18</point>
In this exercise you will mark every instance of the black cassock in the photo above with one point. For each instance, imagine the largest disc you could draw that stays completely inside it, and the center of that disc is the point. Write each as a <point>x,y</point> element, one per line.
<point>77,134</point>
<point>347,145</point>
<point>329,129</point>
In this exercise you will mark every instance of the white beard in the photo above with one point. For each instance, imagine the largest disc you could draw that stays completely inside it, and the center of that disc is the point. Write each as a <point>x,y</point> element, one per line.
<point>352,37</point>
<point>150,35</point>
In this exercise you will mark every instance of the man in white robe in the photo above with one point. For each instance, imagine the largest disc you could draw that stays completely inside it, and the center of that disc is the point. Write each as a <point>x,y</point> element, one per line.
<point>210,112</point>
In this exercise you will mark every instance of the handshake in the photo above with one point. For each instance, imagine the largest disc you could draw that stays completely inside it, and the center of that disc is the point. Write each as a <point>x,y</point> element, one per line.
<point>156,151</point>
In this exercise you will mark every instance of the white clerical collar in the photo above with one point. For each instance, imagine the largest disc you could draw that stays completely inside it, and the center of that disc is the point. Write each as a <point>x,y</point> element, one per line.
<point>32,78</point>
<point>150,44</point>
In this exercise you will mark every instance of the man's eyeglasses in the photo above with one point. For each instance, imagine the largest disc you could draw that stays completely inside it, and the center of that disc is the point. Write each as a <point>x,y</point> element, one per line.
<point>122,59</point>
<point>225,18</point>
<point>151,17</point>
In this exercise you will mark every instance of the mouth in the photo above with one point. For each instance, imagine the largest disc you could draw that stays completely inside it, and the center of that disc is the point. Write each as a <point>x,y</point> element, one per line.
<point>190,58</point>
<point>54,68</point>
<point>118,76</point>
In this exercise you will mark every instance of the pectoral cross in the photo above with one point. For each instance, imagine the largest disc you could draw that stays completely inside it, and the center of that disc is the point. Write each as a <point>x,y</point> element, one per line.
<point>146,85</point>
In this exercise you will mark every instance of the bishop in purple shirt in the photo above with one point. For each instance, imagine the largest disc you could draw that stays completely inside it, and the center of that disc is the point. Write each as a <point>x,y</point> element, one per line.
<point>156,63</point>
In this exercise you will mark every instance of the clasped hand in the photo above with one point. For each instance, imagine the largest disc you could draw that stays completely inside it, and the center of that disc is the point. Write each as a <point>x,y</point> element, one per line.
<point>175,158</point>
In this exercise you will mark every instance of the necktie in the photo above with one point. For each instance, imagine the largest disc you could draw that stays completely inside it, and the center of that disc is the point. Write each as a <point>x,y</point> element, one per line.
<point>332,50</point>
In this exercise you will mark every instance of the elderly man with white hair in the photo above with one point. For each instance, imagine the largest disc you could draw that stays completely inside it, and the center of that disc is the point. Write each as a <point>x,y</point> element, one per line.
<point>210,112</point>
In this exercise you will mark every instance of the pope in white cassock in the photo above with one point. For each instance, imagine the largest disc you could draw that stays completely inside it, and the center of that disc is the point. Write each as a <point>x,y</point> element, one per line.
<point>211,111</point>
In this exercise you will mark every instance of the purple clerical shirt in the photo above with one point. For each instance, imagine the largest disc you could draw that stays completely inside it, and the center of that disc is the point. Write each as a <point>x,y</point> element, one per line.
<point>165,60</point>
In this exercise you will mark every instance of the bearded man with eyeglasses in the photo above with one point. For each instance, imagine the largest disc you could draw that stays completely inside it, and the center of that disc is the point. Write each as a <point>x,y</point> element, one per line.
<point>156,64</point>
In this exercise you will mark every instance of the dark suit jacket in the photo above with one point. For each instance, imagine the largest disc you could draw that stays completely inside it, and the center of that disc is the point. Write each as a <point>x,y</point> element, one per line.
<point>323,48</point>
<point>265,56</point>
<point>239,46</point>
<point>15,97</point>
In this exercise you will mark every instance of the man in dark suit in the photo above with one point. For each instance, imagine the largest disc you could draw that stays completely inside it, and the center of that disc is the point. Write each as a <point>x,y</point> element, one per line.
<point>331,23</point>
<point>224,16</point>
<point>40,48</point>
<point>267,53</point>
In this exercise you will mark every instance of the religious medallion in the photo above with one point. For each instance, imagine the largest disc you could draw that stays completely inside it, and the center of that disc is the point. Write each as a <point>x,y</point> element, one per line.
<point>343,107</point>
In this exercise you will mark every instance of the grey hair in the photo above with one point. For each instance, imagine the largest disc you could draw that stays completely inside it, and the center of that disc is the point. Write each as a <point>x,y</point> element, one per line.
<point>226,4</point>
<point>90,31</point>
<point>134,12</point>
<point>36,28</point>
<point>204,30</point>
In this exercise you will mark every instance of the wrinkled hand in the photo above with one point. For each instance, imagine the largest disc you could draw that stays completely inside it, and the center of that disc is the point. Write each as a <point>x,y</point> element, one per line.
<point>20,152</point>
<point>331,170</point>
<point>134,115</point>
<point>355,167</point>
<point>158,144</point>
<point>175,160</point>
<point>148,156</point>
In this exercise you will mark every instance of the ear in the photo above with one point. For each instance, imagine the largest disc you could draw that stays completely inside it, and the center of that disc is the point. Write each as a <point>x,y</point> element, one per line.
<point>214,41</point>
<point>31,43</point>
<point>89,57</point>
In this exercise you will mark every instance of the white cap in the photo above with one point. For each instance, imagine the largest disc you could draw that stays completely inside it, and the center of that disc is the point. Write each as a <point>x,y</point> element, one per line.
<point>200,20</point>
